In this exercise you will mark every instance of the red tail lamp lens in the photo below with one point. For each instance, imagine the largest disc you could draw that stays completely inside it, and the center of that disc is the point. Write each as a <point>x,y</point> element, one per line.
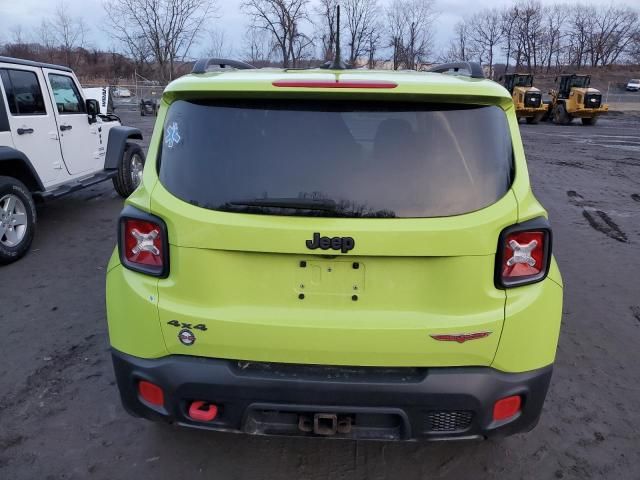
<point>506,407</point>
<point>143,242</point>
<point>524,257</point>
<point>151,393</point>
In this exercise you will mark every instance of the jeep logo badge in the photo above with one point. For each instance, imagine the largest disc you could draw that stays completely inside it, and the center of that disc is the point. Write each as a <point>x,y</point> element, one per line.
<point>344,244</point>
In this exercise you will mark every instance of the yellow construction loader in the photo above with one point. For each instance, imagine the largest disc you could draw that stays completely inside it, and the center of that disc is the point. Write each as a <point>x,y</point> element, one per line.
<point>526,97</point>
<point>574,98</point>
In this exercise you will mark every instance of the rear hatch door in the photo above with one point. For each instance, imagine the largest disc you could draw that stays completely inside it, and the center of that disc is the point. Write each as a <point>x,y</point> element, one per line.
<point>352,233</point>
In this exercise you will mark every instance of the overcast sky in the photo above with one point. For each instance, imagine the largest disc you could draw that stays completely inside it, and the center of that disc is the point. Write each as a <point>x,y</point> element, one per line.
<point>28,14</point>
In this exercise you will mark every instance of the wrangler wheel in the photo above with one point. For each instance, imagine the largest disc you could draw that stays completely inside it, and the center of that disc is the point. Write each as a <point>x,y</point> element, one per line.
<point>17,220</point>
<point>130,170</point>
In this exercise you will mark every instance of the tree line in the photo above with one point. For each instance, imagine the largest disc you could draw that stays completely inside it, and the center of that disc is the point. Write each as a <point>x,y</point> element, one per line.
<point>156,38</point>
<point>535,37</point>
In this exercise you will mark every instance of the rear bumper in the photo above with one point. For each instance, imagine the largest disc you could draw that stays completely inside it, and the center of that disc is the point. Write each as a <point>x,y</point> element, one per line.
<point>382,404</point>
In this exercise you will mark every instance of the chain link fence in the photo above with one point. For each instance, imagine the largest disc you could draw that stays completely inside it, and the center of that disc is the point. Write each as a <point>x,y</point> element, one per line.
<point>143,97</point>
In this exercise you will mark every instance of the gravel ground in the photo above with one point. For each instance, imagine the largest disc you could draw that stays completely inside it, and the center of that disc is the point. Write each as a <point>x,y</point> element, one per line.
<point>60,416</point>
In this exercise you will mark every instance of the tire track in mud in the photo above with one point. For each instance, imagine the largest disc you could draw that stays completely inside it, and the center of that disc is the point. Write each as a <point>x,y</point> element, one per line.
<point>49,375</point>
<point>597,219</point>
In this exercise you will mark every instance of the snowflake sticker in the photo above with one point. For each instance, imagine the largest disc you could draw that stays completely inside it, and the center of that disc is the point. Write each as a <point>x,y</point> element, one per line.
<point>172,135</point>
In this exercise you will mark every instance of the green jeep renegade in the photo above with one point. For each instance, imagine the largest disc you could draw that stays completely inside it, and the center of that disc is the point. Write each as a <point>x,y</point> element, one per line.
<point>345,253</point>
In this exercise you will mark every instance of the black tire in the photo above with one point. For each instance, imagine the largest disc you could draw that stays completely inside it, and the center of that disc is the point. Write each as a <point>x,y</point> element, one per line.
<point>589,121</point>
<point>560,115</point>
<point>13,187</point>
<point>124,182</point>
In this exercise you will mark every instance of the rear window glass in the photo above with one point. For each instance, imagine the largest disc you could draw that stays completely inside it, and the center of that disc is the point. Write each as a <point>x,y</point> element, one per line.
<point>337,159</point>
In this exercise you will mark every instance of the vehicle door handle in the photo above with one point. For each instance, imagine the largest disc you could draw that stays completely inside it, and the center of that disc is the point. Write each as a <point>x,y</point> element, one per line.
<point>64,128</point>
<point>22,131</point>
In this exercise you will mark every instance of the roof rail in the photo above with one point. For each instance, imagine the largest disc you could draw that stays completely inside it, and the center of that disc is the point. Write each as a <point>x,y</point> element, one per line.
<point>474,69</point>
<point>29,63</point>
<point>203,64</point>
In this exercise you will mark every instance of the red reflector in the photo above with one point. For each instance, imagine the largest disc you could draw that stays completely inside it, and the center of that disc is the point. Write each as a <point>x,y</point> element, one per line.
<point>506,407</point>
<point>203,411</point>
<point>524,255</point>
<point>335,84</point>
<point>151,392</point>
<point>143,242</point>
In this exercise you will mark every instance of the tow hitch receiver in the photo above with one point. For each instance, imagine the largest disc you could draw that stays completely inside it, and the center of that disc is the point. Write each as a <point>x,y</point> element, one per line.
<point>324,423</point>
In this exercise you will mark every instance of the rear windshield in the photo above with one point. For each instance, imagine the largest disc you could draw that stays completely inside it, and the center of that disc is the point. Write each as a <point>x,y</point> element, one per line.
<point>336,159</point>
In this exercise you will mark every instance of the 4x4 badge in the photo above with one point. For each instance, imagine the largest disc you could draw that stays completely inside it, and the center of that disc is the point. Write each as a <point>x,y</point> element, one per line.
<point>343,244</point>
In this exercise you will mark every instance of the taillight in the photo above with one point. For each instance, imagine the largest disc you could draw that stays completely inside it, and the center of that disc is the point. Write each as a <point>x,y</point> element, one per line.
<point>524,254</point>
<point>143,243</point>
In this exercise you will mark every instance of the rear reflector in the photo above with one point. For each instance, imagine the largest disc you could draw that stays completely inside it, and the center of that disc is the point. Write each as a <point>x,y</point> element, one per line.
<point>335,84</point>
<point>506,407</point>
<point>151,393</point>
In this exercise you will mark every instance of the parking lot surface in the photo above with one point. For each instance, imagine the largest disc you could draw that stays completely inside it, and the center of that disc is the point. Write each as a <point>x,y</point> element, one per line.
<point>60,415</point>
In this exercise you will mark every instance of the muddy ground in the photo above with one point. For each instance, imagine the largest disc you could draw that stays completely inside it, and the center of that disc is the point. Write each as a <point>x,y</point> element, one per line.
<point>60,416</point>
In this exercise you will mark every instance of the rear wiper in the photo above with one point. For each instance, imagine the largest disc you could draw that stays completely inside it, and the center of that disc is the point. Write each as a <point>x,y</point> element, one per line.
<point>292,202</point>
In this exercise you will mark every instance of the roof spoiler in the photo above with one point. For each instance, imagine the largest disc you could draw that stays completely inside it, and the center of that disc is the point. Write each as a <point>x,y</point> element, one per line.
<point>203,64</point>
<point>474,69</point>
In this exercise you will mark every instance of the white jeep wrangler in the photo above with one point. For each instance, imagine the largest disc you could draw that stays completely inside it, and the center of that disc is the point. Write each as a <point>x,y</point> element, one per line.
<point>53,142</point>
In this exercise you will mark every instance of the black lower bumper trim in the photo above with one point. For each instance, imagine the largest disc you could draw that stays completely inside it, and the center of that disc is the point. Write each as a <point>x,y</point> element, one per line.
<point>344,402</point>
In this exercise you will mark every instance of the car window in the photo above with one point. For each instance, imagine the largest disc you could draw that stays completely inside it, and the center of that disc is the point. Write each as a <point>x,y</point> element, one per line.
<point>65,94</point>
<point>368,159</point>
<point>24,95</point>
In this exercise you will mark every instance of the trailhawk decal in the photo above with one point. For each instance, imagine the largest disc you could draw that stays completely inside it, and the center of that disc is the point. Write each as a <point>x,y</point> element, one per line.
<point>343,244</point>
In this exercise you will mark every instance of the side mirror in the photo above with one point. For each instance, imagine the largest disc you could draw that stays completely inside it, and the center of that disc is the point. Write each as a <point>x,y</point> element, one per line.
<point>93,107</point>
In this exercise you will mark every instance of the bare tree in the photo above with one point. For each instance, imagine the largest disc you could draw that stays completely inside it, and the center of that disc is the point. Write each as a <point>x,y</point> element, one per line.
<point>216,45</point>
<point>508,21</point>
<point>70,32</point>
<point>461,47</point>
<point>167,29</point>
<point>283,20</point>
<point>257,47</point>
<point>47,39</point>
<point>18,45</point>
<point>410,27</point>
<point>486,32</point>
<point>360,25</point>
<point>326,28</point>
<point>374,40</point>
<point>555,17</point>
<point>611,31</point>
